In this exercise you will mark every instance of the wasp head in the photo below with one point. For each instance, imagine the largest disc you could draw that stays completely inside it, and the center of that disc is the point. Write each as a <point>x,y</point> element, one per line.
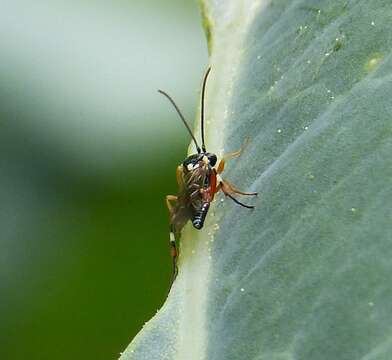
<point>196,160</point>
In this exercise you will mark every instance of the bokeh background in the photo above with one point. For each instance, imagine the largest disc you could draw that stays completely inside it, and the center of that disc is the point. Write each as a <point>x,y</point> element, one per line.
<point>88,151</point>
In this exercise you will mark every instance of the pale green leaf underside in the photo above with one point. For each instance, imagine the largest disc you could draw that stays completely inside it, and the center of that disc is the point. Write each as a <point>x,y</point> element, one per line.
<point>307,274</point>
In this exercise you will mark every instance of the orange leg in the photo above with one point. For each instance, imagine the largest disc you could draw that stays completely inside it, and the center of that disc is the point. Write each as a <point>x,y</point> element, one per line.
<point>173,246</point>
<point>221,167</point>
<point>180,179</point>
<point>172,238</point>
<point>227,190</point>
<point>173,253</point>
<point>168,204</point>
<point>232,189</point>
<point>235,154</point>
<point>180,182</point>
<point>231,155</point>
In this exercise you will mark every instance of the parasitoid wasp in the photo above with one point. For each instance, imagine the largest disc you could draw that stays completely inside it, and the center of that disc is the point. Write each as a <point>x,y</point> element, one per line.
<point>199,179</point>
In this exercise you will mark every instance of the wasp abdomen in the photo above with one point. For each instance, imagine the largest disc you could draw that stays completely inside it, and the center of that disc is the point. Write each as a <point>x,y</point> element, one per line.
<point>200,215</point>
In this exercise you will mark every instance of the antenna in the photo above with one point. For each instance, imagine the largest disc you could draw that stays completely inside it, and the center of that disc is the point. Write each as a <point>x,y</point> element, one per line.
<point>182,118</point>
<point>203,146</point>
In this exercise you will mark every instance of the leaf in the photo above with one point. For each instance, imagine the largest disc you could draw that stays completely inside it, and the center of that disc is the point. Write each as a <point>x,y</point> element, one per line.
<point>306,275</point>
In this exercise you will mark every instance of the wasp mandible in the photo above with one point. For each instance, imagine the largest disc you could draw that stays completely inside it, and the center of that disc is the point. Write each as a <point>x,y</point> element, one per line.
<point>199,180</point>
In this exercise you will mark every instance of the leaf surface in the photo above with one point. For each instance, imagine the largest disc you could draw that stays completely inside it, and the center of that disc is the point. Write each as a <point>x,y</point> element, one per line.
<point>306,274</point>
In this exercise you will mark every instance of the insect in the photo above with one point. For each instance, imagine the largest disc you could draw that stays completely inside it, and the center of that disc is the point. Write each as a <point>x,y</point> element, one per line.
<point>199,180</point>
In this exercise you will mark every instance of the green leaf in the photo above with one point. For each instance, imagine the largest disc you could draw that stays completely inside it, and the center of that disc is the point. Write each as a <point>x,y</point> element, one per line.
<point>307,273</point>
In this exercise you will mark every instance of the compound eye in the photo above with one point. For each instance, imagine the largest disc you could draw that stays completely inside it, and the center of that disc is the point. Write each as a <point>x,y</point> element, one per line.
<point>212,159</point>
<point>190,161</point>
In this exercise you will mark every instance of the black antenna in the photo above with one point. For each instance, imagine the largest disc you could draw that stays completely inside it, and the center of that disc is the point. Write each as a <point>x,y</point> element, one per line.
<point>203,146</point>
<point>182,118</point>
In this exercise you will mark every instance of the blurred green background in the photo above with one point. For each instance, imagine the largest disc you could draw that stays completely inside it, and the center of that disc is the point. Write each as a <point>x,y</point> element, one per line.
<point>88,151</point>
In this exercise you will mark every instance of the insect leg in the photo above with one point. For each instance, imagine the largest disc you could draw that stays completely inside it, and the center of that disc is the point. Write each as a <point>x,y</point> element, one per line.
<point>221,167</point>
<point>231,155</point>
<point>228,192</point>
<point>173,246</point>
<point>180,179</point>
<point>233,189</point>
<point>168,204</point>
<point>173,253</point>
<point>235,154</point>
